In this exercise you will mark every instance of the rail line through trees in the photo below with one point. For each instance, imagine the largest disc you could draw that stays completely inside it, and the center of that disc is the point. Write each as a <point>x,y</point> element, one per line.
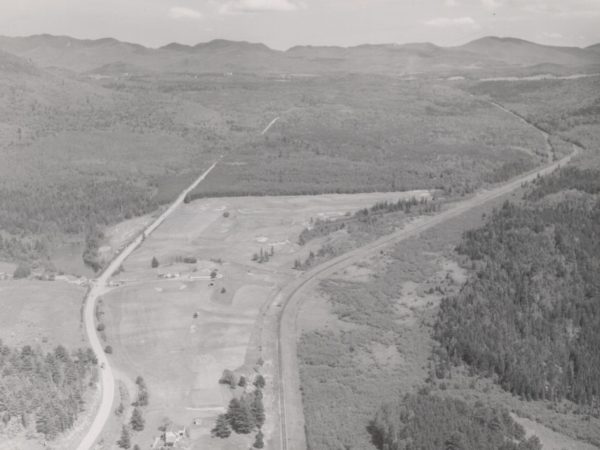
<point>292,431</point>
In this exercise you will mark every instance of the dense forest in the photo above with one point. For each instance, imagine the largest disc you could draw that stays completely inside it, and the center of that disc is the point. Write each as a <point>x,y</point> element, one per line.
<point>43,391</point>
<point>428,422</point>
<point>530,313</point>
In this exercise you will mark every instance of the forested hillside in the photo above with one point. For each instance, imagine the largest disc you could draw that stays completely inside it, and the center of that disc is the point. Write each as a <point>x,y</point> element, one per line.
<point>530,313</point>
<point>42,392</point>
<point>82,152</point>
<point>428,422</point>
<point>75,156</point>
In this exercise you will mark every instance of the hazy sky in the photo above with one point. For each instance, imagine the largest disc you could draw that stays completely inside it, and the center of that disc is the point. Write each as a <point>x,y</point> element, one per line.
<point>284,23</point>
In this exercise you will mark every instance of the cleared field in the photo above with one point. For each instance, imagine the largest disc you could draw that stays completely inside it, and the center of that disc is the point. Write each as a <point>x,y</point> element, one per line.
<point>31,311</point>
<point>180,333</point>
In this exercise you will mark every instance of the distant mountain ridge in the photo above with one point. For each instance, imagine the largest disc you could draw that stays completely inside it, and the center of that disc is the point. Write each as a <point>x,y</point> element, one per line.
<point>220,55</point>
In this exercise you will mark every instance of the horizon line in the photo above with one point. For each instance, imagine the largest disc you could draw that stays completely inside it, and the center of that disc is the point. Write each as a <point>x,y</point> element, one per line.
<point>106,38</point>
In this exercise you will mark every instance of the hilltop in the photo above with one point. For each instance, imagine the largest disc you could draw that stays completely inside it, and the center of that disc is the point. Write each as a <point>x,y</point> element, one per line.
<point>220,55</point>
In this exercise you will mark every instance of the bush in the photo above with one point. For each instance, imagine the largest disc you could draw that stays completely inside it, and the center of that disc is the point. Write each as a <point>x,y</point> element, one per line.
<point>100,327</point>
<point>154,264</point>
<point>226,214</point>
<point>108,349</point>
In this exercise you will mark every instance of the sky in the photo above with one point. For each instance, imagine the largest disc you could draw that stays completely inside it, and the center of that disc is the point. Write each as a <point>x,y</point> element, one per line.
<point>284,23</point>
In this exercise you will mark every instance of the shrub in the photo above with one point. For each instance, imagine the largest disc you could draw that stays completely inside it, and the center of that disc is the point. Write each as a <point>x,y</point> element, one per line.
<point>108,349</point>
<point>100,327</point>
<point>154,264</point>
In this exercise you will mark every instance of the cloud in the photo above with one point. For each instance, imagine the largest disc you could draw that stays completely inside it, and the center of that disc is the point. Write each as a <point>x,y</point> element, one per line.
<point>255,6</point>
<point>452,22</point>
<point>178,13</point>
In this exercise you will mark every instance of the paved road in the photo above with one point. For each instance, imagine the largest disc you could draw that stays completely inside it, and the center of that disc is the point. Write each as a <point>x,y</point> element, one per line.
<point>290,298</point>
<point>97,289</point>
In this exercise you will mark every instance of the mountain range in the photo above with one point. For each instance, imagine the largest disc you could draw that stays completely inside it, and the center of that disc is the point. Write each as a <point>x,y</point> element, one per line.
<point>480,57</point>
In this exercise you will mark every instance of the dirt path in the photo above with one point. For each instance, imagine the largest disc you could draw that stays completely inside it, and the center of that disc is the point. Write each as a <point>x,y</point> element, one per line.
<point>97,289</point>
<point>289,299</point>
<point>270,125</point>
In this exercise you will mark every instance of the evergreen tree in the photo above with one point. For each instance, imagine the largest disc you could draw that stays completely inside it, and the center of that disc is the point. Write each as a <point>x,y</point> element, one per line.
<point>22,271</point>
<point>259,441</point>
<point>221,428</point>
<point>240,416</point>
<point>137,421</point>
<point>259,382</point>
<point>258,409</point>
<point>154,264</point>
<point>125,439</point>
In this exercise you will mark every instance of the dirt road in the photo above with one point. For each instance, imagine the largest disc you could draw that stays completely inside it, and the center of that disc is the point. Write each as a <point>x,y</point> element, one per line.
<point>97,289</point>
<point>290,397</point>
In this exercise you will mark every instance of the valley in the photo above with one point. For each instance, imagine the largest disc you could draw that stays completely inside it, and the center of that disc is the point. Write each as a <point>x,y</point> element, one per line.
<point>228,246</point>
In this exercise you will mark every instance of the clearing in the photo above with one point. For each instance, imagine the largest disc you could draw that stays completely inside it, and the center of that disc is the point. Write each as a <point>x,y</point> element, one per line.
<point>181,324</point>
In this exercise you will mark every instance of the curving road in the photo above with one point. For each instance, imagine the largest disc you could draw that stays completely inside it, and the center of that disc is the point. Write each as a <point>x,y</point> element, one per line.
<point>290,299</point>
<point>97,289</point>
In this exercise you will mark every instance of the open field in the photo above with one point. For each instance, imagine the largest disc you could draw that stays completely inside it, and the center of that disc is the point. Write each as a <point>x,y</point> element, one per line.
<point>150,321</point>
<point>32,309</point>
